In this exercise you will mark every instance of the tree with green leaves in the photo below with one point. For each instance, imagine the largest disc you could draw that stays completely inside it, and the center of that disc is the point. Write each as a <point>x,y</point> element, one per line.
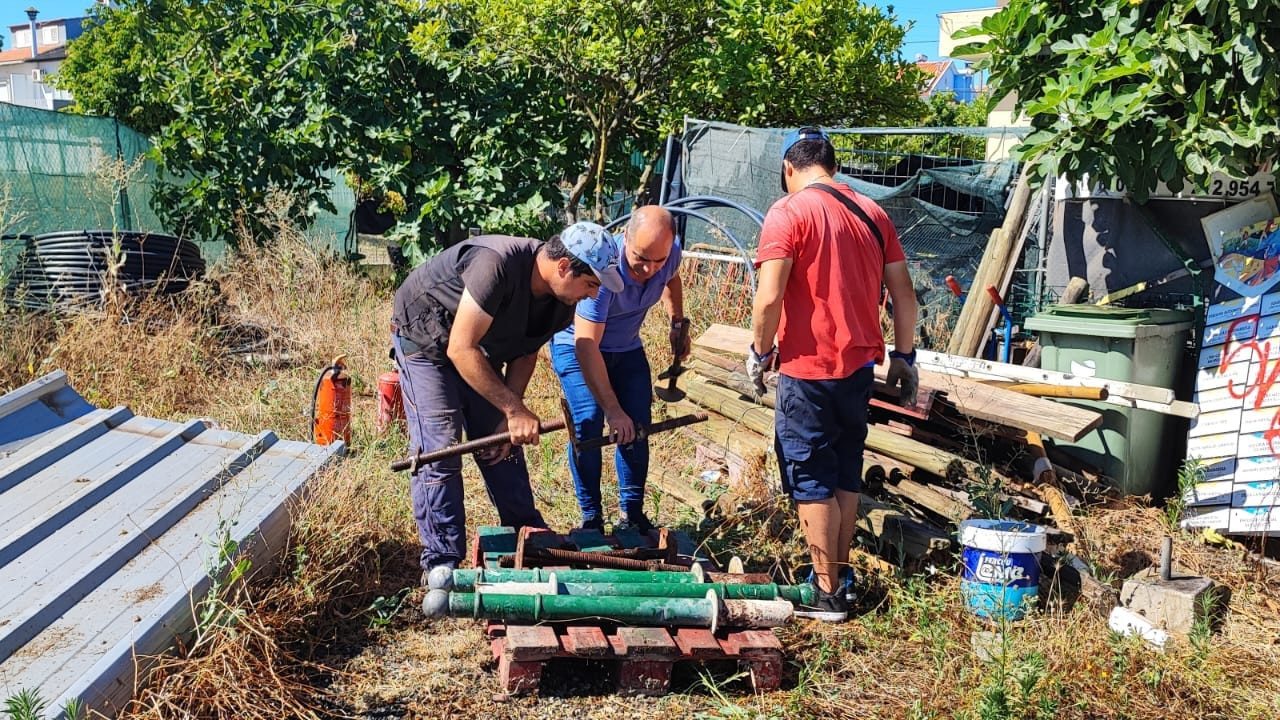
<point>1140,91</point>
<point>636,68</point>
<point>251,101</point>
<point>786,63</point>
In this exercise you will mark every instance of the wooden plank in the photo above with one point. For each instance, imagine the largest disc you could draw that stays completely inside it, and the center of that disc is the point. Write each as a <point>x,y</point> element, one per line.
<point>643,643</point>
<point>987,402</point>
<point>751,642</point>
<point>725,367</point>
<point>585,641</point>
<point>991,370</point>
<point>698,644</point>
<point>531,642</point>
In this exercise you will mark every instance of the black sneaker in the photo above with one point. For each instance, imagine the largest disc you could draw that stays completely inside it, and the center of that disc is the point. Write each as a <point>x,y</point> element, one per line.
<point>827,607</point>
<point>847,580</point>
<point>594,524</point>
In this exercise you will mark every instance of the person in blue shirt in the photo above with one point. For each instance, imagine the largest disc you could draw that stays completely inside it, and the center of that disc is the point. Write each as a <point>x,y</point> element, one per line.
<point>603,369</point>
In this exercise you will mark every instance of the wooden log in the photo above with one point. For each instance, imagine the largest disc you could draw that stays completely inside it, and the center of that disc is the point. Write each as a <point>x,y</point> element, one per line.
<point>871,459</point>
<point>1003,280</point>
<point>1074,290</point>
<point>896,532</point>
<point>863,559</point>
<point>932,500</point>
<point>682,490</point>
<point>967,338</point>
<point>1049,489</point>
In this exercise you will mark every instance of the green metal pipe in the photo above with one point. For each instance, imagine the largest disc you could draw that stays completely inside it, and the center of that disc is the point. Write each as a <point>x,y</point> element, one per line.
<point>685,612</point>
<point>466,580</point>
<point>709,611</point>
<point>769,591</point>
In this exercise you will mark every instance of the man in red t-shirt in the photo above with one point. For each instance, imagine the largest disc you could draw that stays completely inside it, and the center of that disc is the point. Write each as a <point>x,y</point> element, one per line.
<point>824,254</point>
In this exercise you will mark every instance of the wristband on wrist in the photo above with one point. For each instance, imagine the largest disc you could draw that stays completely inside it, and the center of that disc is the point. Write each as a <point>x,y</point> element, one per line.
<point>909,357</point>
<point>679,324</point>
<point>761,357</point>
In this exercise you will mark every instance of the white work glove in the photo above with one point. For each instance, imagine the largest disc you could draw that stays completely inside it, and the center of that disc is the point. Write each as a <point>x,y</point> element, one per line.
<point>903,375</point>
<point>756,365</point>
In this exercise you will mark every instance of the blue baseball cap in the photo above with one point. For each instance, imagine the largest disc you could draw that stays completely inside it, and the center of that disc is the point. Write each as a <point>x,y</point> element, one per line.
<point>807,132</point>
<point>594,246</point>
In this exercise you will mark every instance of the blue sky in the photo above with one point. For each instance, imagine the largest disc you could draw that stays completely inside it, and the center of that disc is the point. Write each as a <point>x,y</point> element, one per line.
<point>922,38</point>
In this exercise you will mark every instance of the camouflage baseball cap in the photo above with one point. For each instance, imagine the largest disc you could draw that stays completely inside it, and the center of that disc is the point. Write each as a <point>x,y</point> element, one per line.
<point>594,246</point>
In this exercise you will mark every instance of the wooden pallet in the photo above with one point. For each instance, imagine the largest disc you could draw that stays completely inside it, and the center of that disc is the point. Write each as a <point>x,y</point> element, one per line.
<point>642,657</point>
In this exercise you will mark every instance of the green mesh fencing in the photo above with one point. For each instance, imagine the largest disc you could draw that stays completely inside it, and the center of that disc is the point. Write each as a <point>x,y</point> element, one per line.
<point>61,172</point>
<point>942,197</point>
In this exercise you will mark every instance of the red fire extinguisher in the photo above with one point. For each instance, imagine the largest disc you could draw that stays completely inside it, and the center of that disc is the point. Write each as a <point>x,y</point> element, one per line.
<point>331,404</point>
<point>390,404</point>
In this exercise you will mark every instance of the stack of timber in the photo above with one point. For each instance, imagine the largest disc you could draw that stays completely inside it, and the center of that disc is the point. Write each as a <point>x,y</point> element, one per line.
<point>968,448</point>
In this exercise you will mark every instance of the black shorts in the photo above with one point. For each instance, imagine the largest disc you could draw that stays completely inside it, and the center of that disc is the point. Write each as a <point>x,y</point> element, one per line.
<point>820,429</point>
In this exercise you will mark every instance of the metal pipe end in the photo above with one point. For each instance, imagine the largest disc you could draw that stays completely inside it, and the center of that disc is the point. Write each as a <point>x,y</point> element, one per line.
<point>436,603</point>
<point>440,578</point>
<point>757,613</point>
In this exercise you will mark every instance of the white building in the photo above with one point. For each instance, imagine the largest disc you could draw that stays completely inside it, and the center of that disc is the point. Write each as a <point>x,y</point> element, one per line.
<point>35,50</point>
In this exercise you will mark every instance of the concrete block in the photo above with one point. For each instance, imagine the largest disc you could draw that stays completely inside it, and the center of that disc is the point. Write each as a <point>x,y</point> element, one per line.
<point>1177,603</point>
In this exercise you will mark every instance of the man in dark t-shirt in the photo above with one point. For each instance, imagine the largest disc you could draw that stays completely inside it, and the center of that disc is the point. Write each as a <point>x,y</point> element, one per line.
<point>467,328</point>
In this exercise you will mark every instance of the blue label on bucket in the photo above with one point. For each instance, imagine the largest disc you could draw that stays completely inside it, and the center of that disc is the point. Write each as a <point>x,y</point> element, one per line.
<point>999,585</point>
<point>994,568</point>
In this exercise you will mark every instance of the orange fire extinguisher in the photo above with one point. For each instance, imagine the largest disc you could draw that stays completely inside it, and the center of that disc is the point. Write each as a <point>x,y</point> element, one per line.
<point>390,404</point>
<point>331,404</point>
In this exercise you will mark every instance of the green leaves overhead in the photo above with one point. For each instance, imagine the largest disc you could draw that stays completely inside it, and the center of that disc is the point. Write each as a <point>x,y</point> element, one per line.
<point>471,113</point>
<point>1139,91</point>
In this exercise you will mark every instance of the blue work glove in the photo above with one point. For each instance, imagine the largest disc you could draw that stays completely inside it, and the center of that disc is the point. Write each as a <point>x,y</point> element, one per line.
<point>756,365</point>
<point>903,375</point>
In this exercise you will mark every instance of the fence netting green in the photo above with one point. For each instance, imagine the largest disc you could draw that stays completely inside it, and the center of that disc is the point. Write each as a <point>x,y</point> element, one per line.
<point>63,172</point>
<point>942,197</point>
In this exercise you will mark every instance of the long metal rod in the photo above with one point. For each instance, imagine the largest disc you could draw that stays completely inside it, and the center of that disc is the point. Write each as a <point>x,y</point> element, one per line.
<point>599,560</point>
<point>469,446</point>
<point>646,430</point>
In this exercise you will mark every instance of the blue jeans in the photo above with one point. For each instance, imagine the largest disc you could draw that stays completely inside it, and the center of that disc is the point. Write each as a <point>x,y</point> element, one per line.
<point>629,376</point>
<point>438,406</point>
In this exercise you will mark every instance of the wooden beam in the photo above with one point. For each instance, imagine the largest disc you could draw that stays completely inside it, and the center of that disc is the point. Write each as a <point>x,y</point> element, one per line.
<point>987,402</point>
<point>980,369</point>
<point>967,338</point>
<point>932,500</point>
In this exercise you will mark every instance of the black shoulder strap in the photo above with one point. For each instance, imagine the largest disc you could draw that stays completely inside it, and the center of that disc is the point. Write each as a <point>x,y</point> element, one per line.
<point>853,208</point>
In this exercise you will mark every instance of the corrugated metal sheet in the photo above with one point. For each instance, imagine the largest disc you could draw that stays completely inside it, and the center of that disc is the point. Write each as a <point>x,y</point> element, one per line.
<point>110,525</point>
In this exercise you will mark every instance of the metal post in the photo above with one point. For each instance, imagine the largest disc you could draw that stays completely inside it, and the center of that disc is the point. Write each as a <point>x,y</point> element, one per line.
<point>1166,558</point>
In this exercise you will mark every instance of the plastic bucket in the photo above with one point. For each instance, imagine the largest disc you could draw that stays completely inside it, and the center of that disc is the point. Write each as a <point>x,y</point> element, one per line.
<point>1001,572</point>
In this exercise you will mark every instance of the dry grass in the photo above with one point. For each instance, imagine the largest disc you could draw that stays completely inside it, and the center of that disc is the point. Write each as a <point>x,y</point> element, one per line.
<point>313,639</point>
